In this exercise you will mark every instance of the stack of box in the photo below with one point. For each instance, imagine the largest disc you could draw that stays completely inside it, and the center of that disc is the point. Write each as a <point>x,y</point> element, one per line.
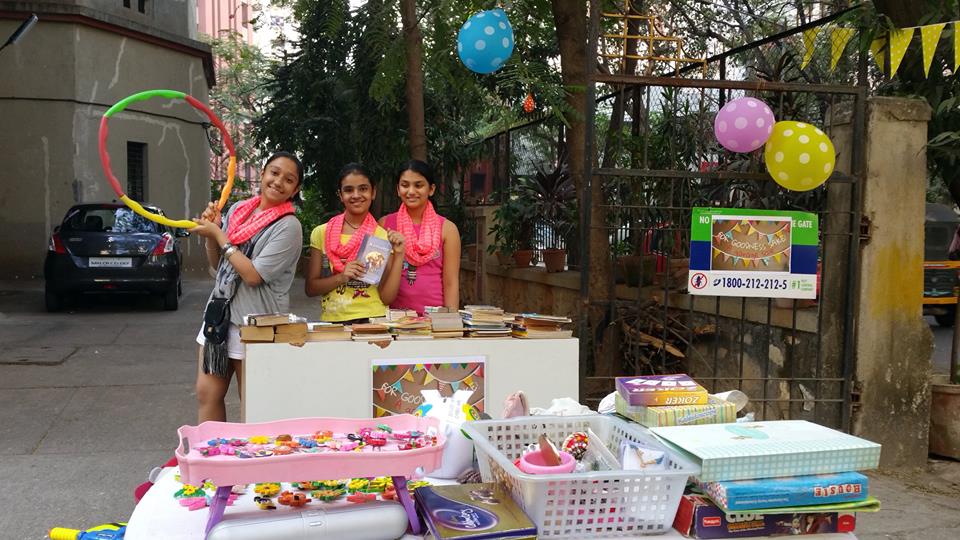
<point>535,326</point>
<point>670,400</point>
<point>779,477</point>
<point>274,328</point>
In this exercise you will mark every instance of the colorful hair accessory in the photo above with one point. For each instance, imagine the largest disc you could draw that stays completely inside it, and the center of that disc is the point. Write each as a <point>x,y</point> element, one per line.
<point>289,498</point>
<point>327,495</point>
<point>576,445</point>
<point>332,484</point>
<point>357,484</point>
<point>307,443</point>
<point>238,489</point>
<point>194,503</point>
<point>267,489</point>
<point>283,438</point>
<point>259,439</point>
<point>209,451</point>
<point>216,442</point>
<point>354,437</point>
<point>188,491</point>
<point>377,485</point>
<point>282,450</point>
<point>115,184</point>
<point>362,497</point>
<point>322,436</point>
<point>389,493</point>
<point>374,442</point>
<point>244,454</point>
<point>348,446</point>
<point>227,450</point>
<point>365,431</point>
<point>263,453</point>
<point>384,427</point>
<point>265,503</point>
<point>208,485</point>
<point>307,485</point>
<point>238,442</point>
<point>411,486</point>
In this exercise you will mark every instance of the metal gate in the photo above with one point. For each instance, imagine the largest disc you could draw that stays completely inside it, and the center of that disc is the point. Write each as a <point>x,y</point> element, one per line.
<point>794,359</point>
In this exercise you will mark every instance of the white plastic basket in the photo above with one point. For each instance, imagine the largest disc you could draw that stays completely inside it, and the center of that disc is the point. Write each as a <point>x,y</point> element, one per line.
<point>582,505</point>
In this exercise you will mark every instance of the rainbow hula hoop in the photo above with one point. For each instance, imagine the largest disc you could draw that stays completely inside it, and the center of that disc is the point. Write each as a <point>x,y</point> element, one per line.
<point>115,184</point>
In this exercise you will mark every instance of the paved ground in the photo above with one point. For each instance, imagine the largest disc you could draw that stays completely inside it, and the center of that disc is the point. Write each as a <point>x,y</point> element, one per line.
<point>90,400</point>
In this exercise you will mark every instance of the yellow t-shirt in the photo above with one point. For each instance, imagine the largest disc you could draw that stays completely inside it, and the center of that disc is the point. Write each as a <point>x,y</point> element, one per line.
<point>355,300</point>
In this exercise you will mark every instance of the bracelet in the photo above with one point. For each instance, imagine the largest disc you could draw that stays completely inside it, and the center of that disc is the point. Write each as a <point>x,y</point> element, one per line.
<point>229,252</point>
<point>224,248</point>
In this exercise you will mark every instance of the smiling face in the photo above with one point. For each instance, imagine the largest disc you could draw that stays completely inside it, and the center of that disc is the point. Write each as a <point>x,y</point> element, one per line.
<point>356,193</point>
<point>414,190</point>
<point>279,181</point>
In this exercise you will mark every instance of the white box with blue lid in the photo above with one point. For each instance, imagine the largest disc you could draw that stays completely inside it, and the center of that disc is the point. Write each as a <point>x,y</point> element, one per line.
<point>746,451</point>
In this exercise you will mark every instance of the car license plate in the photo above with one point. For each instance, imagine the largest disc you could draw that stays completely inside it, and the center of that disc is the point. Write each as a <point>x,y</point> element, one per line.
<point>110,262</point>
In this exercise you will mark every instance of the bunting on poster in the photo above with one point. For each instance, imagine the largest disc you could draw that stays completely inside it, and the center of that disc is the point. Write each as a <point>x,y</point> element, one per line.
<point>839,37</point>
<point>408,376</point>
<point>809,41</point>
<point>428,379</point>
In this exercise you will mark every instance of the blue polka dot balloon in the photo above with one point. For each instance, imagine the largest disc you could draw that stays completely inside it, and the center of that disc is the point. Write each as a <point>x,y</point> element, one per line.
<point>485,41</point>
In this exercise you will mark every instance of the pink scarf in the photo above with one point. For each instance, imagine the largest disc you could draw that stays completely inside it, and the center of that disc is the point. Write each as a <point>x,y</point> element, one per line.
<point>240,229</point>
<point>339,253</point>
<point>421,248</point>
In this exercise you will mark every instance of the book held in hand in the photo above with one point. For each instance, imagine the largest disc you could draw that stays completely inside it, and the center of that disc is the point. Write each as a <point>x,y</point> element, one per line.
<point>474,512</point>
<point>374,255</point>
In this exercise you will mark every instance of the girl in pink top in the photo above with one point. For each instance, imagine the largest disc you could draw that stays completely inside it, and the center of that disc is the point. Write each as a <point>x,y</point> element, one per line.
<point>431,266</point>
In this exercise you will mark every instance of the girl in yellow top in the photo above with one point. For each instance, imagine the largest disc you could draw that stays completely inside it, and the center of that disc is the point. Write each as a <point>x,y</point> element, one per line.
<point>334,271</point>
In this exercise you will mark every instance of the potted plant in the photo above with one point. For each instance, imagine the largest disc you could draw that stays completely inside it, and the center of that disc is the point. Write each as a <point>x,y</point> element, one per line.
<point>512,229</point>
<point>552,195</point>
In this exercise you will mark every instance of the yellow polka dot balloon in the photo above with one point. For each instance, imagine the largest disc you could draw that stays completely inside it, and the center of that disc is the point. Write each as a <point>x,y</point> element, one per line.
<point>799,156</point>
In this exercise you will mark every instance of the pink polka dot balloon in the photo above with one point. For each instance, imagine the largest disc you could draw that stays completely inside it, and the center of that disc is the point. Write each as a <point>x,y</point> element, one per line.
<point>744,124</point>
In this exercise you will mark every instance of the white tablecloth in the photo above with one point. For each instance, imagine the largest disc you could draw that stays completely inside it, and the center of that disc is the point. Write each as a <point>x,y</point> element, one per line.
<point>159,515</point>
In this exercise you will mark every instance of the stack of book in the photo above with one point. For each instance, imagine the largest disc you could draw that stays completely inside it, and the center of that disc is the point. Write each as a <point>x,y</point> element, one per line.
<point>484,322</point>
<point>274,328</point>
<point>409,328</point>
<point>324,331</point>
<point>534,326</point>
<point>371,332</point>
<point>445,324</point>
<point>787,477</point>
<point>670,400</point>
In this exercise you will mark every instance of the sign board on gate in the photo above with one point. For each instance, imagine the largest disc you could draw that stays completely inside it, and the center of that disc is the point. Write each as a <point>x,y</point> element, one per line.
<point>758,253</point>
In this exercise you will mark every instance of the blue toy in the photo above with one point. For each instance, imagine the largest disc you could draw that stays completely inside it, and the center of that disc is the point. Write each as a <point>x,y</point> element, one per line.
<point>107,531</point>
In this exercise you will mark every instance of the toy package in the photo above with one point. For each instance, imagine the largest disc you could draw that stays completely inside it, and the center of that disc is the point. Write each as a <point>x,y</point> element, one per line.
<point>698,517</point>
<point>660,390</point>
<point>792,491</point>
<point>473,511</point>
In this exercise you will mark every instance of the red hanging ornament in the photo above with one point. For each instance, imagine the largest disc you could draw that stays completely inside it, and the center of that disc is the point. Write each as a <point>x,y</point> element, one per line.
<point>528,104</point>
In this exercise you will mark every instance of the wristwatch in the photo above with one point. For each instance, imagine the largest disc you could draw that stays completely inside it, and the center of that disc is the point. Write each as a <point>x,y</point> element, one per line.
<point>229,251</point>
<point>224,248</point>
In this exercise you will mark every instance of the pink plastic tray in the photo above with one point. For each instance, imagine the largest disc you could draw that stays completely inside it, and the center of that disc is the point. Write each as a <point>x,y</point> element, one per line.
<point>230,470</point>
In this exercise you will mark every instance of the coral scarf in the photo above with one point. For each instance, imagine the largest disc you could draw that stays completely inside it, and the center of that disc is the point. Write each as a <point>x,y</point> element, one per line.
<point>422,248</point>
<point>240,229</point>
<point>337,253</point>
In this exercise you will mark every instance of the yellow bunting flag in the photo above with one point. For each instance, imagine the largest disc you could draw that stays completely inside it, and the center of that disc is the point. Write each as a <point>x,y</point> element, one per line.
<point>878,48</point>
<point>899,41</point>
<point>956,46</point>
<point>809,38</point>
<point>408,376</point>
<point>839,38</point>
<point>929,38</point>
<point>746,263</point>
<point>468,380</point>
<point>427,379</point>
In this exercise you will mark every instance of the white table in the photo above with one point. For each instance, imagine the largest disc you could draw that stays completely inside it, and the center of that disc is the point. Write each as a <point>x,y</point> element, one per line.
<point>334,378</point>
<point>159,515</point>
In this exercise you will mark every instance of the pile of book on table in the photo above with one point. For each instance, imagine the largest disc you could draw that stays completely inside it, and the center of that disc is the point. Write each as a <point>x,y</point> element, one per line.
<point>371,332</point>
<point>444,323</point>
<point>788,477</point>
<point>484,322</point>
<point>274,328</point>
<point>410,328</point>
<point>536,326</point>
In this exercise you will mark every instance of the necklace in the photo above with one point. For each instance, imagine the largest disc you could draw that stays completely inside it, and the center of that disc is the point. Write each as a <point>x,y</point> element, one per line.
<point>352,226</point>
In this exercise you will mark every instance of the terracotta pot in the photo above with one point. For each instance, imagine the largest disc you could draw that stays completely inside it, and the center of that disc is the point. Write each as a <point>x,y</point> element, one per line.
<point>504,259</point>
<point>523,257</point>
<point>555,259</point>
<point>945,420</point>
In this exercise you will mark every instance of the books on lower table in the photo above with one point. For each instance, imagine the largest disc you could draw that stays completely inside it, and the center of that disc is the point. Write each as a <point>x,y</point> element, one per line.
<point>473,512</point>
<point>699,517</point>
<point>660,390</point>
<point>323,331</point>
<point>535,326</point>
<point>371,332</point>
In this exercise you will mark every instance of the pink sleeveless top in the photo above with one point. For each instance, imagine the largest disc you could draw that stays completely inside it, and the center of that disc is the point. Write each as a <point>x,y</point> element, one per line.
<point>419,286</point>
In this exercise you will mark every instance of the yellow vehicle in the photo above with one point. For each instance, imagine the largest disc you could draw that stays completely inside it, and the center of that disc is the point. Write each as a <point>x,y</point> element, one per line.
<point>941,284</point>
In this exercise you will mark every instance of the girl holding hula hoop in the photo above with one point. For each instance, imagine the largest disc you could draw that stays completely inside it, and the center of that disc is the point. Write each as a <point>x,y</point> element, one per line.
<point>254,249</point>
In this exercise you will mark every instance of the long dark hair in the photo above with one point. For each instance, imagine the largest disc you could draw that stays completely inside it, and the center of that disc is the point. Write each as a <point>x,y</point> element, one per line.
<point>419,167</point>
<point>354,168</point>
<point>292,157</point>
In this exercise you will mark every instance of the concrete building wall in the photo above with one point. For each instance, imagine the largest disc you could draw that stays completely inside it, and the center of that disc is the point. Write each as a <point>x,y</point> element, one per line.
<point>55,86</point>
<point>217,16</point>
